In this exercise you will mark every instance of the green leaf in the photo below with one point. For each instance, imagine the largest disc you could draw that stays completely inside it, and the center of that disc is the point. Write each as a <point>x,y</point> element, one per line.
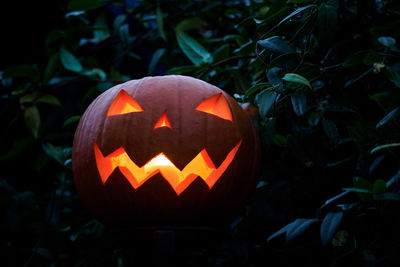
<point>84,4</point>
<point>71,120</point>
<point>47,98</point>
<point>158,54</point>
<point>350,82</point>
<point>265,101</point>
<point>333,199</point>
<point>326,23</point>
<point>280,140</point>
<point>276,44</point>
<point>118,22</point>
<point>276,11</point>
<point>51,67</point>
<point>286,61</point>
<point>274,76</point>
<point>190,24</point>
<point>256,88</point>
<point>101,28</point>
<point>329,226</point>
<point>294,229</point>
<point>330,130</point>
<point>299,103</point>
<point>357,190</point>
<point>182,69</point>
<point>393,76</point>
<point>379,186</point>
<point>362,187</point>
<point>54,152</point>
<point>32,120</point>
<point>389,117</point>
<point>19,146</point>
<point>296,78</point>
<point>354,60</point>
<point>314,118</point>
<point>22,71</point>
<point>192,49</point>
<point>297,11</point>
<point>376,149</point>
<point>393,180</point>
<point>124,33</point>
<point>75,14</point>
<point>95,72</point>
<point>375,163</point>
<point>29,98</point>
<point>45,253</point>
<point>69,61</point>
<point>160,23</point>
<point>387,41</point>
<point>387,196</point>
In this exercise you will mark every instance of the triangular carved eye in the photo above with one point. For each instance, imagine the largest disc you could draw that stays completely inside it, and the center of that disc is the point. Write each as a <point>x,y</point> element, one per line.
<point>216,105</point>
<point>122,104</point>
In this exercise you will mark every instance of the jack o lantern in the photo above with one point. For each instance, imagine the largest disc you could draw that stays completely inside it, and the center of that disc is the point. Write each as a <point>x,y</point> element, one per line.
<point>165,150</point>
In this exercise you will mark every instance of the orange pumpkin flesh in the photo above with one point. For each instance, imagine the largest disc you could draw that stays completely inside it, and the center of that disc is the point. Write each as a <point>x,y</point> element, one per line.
<point>165,150</point>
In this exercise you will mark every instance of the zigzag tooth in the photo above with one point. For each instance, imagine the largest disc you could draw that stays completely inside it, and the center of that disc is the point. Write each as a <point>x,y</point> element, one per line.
<point>201,165</point>
<point>104,164</point>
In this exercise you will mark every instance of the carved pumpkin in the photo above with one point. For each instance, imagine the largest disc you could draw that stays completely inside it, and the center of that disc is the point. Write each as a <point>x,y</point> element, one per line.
<point>164,151</point>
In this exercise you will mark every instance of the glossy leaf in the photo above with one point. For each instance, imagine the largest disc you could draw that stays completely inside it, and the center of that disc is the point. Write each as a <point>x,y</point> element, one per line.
<point>379,186</point>
<point>36,98</point>
<point>293,229</point>
<point>190,24</point>
<point>387,41</point>
<point>255,88</point>
<point>276,44</point>
<point>69,61</point>
<point>32,120</point>
<point>51,67</point>
<point>378,148</point>
<point>326,23</point>
<point>329,226</point>
<point>54,152</point>
<point>158,54</point>
<point>18,147</point>
<point>389,117</point>
<point>296,78</point>
<point>297,11</point>
<point>192,49</point>
<point>71,120</point>
<point>299,103</point>
<point>160,23</point>
<point>265,101</point>
<point>22,71</point>
<point>330,130</point>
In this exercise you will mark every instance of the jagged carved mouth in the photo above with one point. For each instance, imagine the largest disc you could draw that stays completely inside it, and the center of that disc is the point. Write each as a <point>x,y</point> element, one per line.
<point>200,166</point>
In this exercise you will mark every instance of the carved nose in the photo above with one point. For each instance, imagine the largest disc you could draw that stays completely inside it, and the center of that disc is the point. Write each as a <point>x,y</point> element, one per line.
<point>163,121</point>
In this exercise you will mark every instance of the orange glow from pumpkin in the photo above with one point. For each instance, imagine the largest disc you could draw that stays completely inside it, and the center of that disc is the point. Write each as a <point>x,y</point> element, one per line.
<point>163,121</point>
<point>201,165</point>
<point>216,105</point>
<point>122,104</point>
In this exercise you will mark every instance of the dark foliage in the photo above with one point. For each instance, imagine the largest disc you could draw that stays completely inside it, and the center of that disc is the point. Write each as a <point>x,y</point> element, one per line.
<point>320,78</point>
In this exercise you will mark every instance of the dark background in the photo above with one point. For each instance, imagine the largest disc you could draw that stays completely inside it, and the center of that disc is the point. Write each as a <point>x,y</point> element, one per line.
<point>322,81</point>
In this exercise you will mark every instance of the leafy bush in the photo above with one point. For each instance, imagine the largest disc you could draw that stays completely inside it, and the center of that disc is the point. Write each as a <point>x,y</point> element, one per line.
<point>320,79</point>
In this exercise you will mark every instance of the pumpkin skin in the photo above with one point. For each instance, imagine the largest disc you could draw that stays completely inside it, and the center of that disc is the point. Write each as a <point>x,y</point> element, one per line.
<point>112,198</point>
